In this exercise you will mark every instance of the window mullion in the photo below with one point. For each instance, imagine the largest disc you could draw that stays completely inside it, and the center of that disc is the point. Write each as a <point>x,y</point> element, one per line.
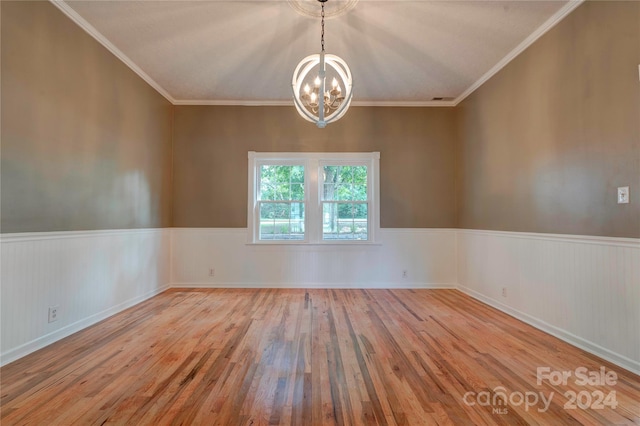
<point>312,198</point>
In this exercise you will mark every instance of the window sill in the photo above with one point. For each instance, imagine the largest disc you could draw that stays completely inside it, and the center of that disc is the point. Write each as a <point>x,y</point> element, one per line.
<point>315,244</point>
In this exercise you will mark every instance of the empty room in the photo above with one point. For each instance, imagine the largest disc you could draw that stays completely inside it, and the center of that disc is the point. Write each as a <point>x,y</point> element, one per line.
<point>252,212</point>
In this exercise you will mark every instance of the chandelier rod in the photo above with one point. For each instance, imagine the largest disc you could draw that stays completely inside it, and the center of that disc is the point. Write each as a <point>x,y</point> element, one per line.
<point>321,71</point>
<point>322,24</point>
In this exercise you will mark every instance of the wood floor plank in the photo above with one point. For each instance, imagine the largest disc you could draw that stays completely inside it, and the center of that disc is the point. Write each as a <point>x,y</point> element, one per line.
<point>308,357</point>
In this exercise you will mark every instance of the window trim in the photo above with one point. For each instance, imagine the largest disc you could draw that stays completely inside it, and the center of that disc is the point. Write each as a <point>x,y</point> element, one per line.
<point>313,162</point>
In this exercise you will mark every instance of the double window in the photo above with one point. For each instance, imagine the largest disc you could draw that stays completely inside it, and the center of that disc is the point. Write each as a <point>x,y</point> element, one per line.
<point>313,197</point>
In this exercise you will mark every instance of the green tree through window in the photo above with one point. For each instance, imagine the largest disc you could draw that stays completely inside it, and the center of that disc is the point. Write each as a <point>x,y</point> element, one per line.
<point>345,202</point>
<point>281,199</point>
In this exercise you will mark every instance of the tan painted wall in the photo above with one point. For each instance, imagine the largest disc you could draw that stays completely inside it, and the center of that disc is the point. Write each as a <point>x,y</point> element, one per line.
<point>86,144</point>
<point>416,166</point>
<point>544,144</point>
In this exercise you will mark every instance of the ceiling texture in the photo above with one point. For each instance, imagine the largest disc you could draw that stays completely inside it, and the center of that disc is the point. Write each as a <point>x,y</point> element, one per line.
<point>401,52</point>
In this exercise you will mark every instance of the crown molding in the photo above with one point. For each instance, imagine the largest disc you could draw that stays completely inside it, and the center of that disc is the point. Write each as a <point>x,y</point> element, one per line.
<point>542,29</point>
<point>231,102</point>
<point>404,103</point>
<point>289,103</point>
<point>93,32</point>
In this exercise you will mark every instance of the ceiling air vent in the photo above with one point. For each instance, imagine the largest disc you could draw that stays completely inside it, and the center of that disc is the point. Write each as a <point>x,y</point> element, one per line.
<point>441,98</point>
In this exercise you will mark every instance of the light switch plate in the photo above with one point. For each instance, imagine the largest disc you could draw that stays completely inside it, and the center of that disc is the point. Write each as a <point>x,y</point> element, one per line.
<point>623,195</point>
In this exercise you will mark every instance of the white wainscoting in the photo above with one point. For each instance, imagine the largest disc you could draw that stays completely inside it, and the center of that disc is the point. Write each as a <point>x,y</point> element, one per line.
<point>428,256</point>
<point>88,275</point>
<point>584,290</point>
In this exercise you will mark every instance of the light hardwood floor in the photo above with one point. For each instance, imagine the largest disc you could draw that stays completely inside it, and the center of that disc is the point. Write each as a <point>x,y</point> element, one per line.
<point>309,357</point>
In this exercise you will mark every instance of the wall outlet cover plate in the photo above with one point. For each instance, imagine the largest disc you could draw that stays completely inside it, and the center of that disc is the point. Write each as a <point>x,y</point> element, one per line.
<point>623,195</point>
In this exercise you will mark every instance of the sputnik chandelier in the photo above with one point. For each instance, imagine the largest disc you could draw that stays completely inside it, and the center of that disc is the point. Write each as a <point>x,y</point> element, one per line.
<point>314,99</point>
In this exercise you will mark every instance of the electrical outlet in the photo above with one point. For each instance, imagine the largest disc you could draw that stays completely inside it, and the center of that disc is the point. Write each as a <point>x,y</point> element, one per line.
<point>53,313</point>
<point>504,292</point>
<point>623,195</point>
<point>212,272</point>
<point>405,274</point>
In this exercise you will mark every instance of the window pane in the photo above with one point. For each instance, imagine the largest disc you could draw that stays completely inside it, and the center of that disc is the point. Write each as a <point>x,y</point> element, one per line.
<point>360,175</point>
<point>359,192</point>
<point>342,192</point>
<point>344,221</point>
<point>297,174</point>
<point>281,183</point>
<point>282,221</point>
<point>328,192</point>
<point>344,183</point>
<point>297,191</point>
<point>330,179</point>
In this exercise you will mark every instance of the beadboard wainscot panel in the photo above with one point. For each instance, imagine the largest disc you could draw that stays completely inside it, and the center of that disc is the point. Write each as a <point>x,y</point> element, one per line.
<point>584,290</point>
<point>89,275</point>
<point>427,255</point>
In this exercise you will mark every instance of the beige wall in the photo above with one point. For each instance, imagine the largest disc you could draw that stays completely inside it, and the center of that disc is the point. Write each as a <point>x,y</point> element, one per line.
<point>541,147</point>
<point>544,144</point>
<point>86,144</point>
<point>416,159</point>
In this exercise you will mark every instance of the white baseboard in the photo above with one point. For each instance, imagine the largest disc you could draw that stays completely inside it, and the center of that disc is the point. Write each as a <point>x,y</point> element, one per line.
<point>572,339</point>
<point>304,285</point>
<point>41,342</point>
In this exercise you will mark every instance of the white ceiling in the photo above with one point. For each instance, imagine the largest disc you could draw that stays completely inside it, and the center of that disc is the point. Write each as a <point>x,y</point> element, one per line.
<point>244,52</point>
